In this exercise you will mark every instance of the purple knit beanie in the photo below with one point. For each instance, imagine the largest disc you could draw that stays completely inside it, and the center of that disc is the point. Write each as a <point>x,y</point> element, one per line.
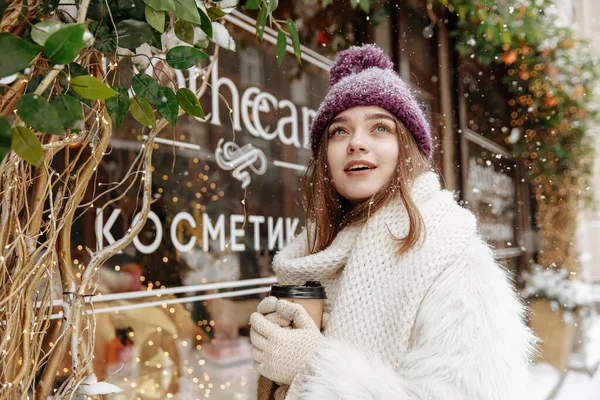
<point>365,76</point>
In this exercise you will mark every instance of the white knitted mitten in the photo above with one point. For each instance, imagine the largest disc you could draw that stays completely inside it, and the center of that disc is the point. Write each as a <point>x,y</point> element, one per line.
<point>279,353</point>
<point>267,308</point>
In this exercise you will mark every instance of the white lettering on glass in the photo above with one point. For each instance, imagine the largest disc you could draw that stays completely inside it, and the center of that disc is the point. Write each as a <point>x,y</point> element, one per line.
<point>236,232</point>
<point>103,231</point>
<point>182,216</point>
<point>264,98</point>
<point>216,83</point>
<point>246,108</point>
<point>277,229</point>
<point>291,120</point>
<point>275,233</point>
<point>256,220</point>
<point>142,248</point>
<point>215,232</point>
<point>230,156</point>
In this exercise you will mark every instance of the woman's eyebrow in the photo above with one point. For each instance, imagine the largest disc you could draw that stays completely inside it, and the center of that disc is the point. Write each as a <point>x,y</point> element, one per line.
<point>368,117</point>
<point>339,119</point>
<point>372,116</point>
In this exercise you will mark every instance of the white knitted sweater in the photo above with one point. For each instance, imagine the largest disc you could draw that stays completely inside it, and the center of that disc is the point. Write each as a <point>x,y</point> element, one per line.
<point>440,321</point>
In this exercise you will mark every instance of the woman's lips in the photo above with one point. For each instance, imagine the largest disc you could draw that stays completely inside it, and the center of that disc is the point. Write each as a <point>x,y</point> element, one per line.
<point>359,163</point>
<point>359,172</point>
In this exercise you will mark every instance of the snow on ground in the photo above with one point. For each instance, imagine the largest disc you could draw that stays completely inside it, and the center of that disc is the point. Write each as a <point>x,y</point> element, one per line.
<point>577,383</point>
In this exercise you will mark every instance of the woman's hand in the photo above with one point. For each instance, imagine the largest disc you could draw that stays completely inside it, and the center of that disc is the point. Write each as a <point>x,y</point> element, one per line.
<point>267,308</point>
<point>280,353</point>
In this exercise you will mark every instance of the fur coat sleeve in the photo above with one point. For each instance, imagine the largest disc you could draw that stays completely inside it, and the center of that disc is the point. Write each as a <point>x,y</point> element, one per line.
<point>469,342</point>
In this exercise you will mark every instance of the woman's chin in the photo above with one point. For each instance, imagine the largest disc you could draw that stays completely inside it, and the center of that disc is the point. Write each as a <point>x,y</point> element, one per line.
<point>357,198</point>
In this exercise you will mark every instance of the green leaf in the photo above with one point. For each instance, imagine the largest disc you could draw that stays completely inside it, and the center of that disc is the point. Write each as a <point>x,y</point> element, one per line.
<point>15,54</point>
<point>326,3</point>
<point>156,39</point>
<point>91,88</point>
<point>116,10</point>
<point>33,83</point>
<point>97,10</point>
<point>462,11</point>
<point>295,39</point>
<point>281,46</point>
<point>273,4</point>
<point>41,31</point>
<point>365,5</point>
<point>5,137</point>
<point>184,57</point>
<point>118,106</point>
<point>155,19</point>
<point>132,33</point>
<point>39,114</point>
<point>187,10</point>
<point>506,37</point>
<point>189,103</point>
<point>251,5</point>
<point>184,31</point>
<point>69,110</point>
<point>142,111</point>
<point>214,13</point>
<point>164,5</point>
<point>105,39</point>
<point>71,71</point>
<point>206,24</point>
<point>146,87</point>
<point>64,45</point>
<point>168,106</point>
<point>261,21</point>
<point>27,145</point>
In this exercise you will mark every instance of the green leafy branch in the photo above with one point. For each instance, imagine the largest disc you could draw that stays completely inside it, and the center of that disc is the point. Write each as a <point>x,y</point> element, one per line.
<point>284,28</point>
<point>550,75</point>
<point>61,44</point>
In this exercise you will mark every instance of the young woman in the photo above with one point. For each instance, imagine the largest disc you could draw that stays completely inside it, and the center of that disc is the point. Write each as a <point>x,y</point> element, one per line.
<point>417,307</point>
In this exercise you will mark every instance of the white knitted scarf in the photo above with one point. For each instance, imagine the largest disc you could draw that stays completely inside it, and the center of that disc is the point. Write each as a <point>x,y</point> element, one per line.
<point>374,293</point>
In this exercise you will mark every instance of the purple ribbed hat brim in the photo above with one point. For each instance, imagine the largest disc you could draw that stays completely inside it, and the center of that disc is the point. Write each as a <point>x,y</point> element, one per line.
<point>373,87</point>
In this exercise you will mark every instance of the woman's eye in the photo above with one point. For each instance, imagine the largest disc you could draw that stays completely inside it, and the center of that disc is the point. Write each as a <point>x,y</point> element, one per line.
<point>337,131</point>
<point>382,128</point>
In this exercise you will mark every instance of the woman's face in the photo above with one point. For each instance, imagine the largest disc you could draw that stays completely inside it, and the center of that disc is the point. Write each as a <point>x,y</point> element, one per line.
<point>362,151</point>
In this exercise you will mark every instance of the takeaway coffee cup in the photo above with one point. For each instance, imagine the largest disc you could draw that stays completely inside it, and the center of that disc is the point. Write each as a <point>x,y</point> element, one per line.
<point>311,296</point>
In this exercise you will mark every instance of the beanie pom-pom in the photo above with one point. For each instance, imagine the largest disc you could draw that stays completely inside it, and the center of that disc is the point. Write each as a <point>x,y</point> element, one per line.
<point>357,59</point>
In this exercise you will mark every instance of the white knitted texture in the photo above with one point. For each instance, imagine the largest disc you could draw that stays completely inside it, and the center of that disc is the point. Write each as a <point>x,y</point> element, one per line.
<point>280,353</point>
<point>374,293</point>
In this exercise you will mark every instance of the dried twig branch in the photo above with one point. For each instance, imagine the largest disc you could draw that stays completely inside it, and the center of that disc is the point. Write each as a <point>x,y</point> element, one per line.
<point>39,207</point>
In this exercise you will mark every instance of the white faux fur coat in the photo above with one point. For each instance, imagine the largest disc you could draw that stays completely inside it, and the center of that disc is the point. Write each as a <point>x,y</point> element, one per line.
<point>439,322</point>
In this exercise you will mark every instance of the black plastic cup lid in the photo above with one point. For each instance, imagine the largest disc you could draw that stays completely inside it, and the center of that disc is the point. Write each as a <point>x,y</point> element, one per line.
<point>310,290</point>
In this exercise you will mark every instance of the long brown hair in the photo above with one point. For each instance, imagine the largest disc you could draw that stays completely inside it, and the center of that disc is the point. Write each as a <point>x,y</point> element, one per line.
<point>330,212</point>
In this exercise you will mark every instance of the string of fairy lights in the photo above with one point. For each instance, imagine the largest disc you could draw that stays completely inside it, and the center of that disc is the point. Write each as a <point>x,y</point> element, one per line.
<point>156,378</point>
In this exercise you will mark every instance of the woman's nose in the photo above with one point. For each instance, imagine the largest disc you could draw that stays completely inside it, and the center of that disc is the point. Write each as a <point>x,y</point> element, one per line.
<point>358,142</point>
